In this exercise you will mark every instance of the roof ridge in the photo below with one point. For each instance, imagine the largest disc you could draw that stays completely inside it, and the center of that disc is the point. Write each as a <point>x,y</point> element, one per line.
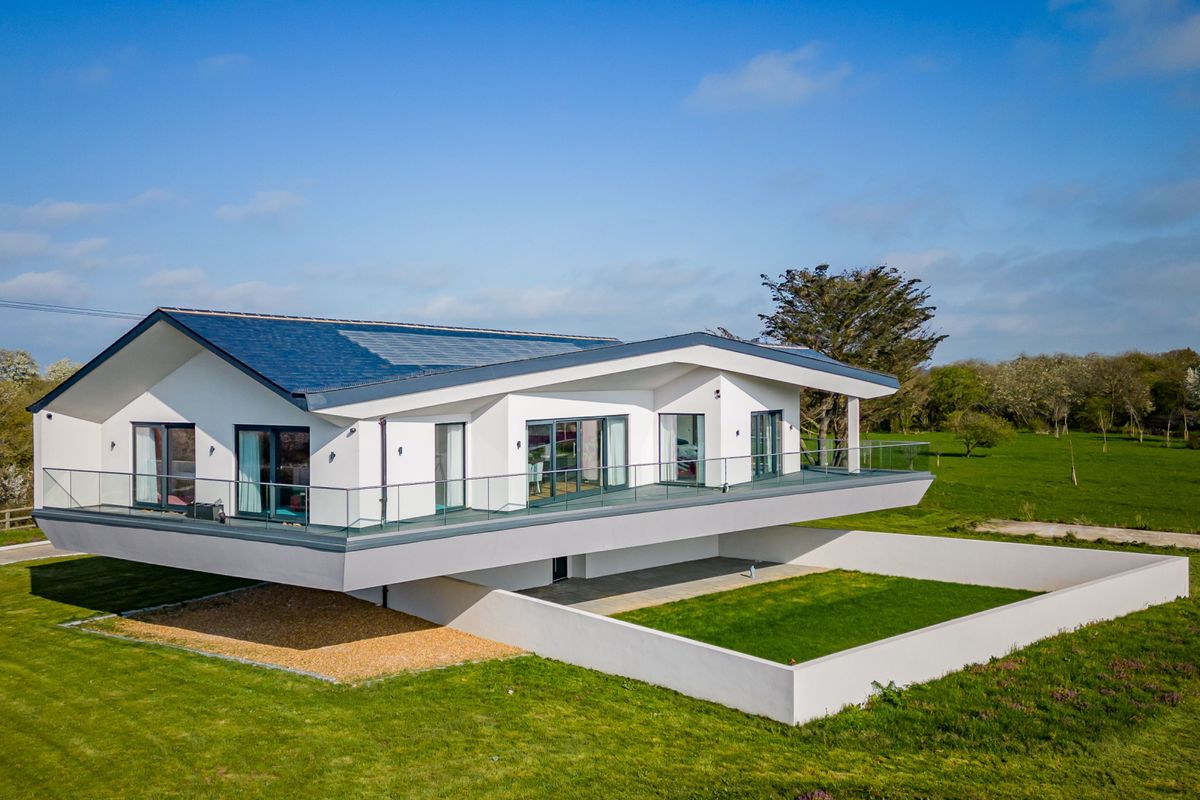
<point>417,325</point>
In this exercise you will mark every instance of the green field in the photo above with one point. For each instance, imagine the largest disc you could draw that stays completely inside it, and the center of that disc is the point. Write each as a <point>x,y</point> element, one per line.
<point>801,618</point>
<point>1131,486</point>
<point>1109,711</point>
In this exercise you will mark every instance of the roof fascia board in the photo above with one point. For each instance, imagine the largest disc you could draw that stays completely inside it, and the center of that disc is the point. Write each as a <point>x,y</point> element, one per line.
<point>701,353</point>
<point>424,383</point>
<point>158,315</point>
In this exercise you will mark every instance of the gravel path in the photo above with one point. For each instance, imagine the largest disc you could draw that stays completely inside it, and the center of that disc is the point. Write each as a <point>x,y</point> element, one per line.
<point>326,633</point>
<point>1057,530</point>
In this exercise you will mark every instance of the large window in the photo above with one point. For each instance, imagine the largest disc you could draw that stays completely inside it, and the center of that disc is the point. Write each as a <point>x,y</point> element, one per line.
<point>766,443</point>
<point>164,464</point>
<point>681,448</point>
<point>449,465</point>
<point>571,457</point>
<point>272,469</point>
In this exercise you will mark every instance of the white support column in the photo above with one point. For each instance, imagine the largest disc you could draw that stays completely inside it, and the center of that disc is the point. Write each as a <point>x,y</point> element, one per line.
<point>852,438</point>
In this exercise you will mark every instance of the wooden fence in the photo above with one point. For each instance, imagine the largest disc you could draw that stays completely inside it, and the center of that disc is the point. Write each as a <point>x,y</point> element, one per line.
<point>16,518</point>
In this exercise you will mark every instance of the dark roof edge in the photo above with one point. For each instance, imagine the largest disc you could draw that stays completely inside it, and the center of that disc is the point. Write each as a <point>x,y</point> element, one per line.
<point>442,380</point>
<point>159,315</point>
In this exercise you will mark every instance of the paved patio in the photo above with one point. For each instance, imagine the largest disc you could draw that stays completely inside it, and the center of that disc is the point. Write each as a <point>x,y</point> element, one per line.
<point>625,591</point>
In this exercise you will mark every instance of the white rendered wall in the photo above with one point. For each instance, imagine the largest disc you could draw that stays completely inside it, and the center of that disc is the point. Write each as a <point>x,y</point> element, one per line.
<point>211,394</point>
<point>512,578</point>
<point>578,637</point>
<point>62,442</point>
<point>1123,583</point>
<point>627,559</point>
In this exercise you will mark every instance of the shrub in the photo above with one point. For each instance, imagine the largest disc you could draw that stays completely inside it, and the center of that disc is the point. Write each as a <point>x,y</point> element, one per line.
<point>976,429</point>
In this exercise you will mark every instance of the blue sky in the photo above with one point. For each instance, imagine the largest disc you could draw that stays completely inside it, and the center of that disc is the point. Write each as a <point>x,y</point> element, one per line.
<point>603,168</point>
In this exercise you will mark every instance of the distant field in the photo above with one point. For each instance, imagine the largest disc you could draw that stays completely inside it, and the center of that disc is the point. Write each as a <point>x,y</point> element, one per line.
<point>1132,486</point>
<point>814,615</point>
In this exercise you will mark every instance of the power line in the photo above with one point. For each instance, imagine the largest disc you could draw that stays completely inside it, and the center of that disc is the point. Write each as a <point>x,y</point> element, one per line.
<point>73,310</point>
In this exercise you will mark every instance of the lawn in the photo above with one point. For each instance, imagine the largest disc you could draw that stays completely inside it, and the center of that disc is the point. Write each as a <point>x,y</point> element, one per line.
<point>19,535</point>
<point>1104,712</point>
<point>1131,486</point>
<point>810,616</point>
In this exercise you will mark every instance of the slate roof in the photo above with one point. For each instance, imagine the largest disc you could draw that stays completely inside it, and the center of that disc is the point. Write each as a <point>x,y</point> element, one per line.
<point>318,363</point>
<point>303,354</point>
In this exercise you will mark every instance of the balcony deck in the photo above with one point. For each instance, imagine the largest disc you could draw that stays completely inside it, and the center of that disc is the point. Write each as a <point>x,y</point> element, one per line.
<point>469,520</point>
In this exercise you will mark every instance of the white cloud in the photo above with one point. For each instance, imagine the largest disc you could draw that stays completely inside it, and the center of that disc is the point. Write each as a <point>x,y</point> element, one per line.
<point>1141,38</point>
<point>223,64</point>
<point>44,287</point>
<point>21,244</point>
<point>51,212</point>
<point>884,213</point>
<point>772,80</point>
<point>173,279</point>
<point>192,287</point>
<point>268,206</point>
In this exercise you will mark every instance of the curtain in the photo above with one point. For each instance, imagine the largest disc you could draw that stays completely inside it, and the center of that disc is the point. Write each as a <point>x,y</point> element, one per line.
<point>617,446</point>
<point>145,457</point>
<point>667,446</point>
<point>249,470</point>
<point>699,425</point>
<point>455,466</point>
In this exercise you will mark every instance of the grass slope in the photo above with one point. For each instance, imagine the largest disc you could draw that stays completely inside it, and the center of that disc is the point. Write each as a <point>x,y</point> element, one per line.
<point>19,535</point>
<point>815,615</point>
<point>1105,712</point>
<point>1131,486</point>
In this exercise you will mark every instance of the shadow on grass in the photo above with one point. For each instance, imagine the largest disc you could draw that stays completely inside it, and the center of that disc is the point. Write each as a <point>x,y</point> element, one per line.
<point>112,585</point>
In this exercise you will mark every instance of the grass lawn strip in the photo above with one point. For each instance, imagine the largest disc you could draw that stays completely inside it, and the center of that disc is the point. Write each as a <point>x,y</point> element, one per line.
<point>803,618</point>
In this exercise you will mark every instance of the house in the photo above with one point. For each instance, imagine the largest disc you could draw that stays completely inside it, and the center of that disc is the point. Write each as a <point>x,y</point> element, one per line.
<point>352,455</point>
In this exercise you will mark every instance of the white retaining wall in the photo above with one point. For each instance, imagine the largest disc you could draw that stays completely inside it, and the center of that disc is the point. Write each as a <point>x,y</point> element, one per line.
<point>1083,586</point>
<point>579,637</point>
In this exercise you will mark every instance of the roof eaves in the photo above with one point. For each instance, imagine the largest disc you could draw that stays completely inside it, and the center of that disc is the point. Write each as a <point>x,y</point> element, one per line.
<point>440,380</point>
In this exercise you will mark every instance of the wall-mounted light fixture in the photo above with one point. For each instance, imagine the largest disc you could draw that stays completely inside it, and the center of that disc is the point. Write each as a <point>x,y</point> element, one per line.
<point>352,431</point>
<point>49,415</point>
<point>716,394</point>
<point>212,448</point>
<point>400,450</point>
<point>332,456</point>
<point>518,444</point>
<point>112,445</point>
<point>738,432</point>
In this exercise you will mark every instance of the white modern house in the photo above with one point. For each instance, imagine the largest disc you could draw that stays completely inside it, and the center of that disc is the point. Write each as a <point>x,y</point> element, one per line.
<point>352,455</point>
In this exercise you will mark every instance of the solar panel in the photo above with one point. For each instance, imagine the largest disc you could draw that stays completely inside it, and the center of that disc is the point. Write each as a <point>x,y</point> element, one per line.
<point>460,351</point>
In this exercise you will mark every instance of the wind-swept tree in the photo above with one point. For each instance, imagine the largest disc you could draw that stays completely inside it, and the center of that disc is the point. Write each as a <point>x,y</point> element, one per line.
<point>871,317</point>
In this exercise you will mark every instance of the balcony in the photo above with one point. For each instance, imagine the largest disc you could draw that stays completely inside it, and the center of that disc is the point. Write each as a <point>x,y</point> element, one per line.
<point>409,511</point>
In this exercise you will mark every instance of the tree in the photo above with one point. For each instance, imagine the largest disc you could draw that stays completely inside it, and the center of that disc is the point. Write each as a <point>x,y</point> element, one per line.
<point>60,370</point>
<point>977,429</point>
<point>17,366</point>
<point>870,317</point>
<point>1119,382</point>
<point>954,387</point>
<point>1191,388</point>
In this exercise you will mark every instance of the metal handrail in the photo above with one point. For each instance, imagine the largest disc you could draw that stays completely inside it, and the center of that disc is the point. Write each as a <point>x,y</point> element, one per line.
<point>876,445</point>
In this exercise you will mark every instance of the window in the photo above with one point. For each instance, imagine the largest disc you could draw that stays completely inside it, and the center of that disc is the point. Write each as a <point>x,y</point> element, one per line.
<point>766,443</point>
<point>164,464</point>
<point>569,457</point>
<point>449,465</point>
<point>272,470</point>
<point>681,448</point>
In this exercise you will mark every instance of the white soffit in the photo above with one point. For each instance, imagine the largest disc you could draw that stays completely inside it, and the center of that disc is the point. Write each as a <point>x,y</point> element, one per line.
<point>125,375</point>
<point>610,374</point>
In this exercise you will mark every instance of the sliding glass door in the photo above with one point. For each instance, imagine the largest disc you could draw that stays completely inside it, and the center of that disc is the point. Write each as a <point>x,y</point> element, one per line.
<point>273,472</point>
<point>164,464</point>
<point>574,457</point>
<point>681,448</point>
<point>449,465</point>
<point>766,443</point>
